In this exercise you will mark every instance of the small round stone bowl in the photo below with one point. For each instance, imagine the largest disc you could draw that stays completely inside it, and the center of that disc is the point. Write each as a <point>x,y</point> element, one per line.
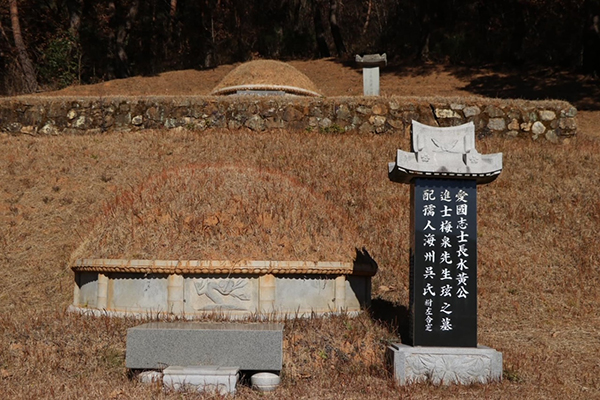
<point>265,381</point>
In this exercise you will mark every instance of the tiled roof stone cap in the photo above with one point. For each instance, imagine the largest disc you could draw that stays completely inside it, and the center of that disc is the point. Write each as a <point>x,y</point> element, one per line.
<point>444,153</point>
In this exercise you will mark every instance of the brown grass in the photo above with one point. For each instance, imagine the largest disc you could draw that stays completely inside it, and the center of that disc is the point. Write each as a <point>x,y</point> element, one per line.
<point>538,250</point>
<point>219,212</point>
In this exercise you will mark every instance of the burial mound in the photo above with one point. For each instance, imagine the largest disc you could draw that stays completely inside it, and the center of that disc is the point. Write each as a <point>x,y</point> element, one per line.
<point>266,75</point>
<point>227,239</point>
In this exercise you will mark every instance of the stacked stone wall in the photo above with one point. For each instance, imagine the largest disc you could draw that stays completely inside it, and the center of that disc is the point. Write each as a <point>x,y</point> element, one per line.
<point>550,120</point>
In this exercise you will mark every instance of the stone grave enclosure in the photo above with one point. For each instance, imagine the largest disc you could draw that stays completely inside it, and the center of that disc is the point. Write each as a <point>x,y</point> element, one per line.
<point>546,120</point>
<point>221,239</point>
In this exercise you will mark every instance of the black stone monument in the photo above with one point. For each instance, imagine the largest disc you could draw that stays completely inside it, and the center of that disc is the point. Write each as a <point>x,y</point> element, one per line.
<point>443,171</point>
<point>443,268</point>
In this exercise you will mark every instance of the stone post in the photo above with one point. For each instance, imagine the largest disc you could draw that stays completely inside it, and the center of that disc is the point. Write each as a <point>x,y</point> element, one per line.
<point>175,294</point>
<point>340,293</point>
<point>267,286</point>
<point>102,303</point>
<point>370,63</point>
<point>443,171</point>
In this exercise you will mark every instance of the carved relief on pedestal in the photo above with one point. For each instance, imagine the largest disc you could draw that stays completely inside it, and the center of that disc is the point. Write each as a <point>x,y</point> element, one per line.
<point>448,369</point>
<point>226,294</point>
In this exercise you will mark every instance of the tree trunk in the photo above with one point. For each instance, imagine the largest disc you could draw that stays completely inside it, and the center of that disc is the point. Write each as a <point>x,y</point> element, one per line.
<point>368,19</point>
<point>173,9</point>
<point>123,29</point>
<point>322,46</point>
<point>111,16</point>
<point>335,29</point>
<point>30,79</point>
<point>75,8</point>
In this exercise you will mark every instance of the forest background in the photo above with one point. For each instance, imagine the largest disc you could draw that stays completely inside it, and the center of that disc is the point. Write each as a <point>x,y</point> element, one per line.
<point>51,44</point>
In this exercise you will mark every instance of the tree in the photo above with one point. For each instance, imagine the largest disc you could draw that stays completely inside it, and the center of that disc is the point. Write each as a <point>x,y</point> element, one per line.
<point>335,29</point>
<point>30,79</point>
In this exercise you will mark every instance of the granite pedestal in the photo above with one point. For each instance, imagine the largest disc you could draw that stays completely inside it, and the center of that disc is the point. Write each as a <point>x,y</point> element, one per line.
<point>444,365</point>
<point>156,345</point>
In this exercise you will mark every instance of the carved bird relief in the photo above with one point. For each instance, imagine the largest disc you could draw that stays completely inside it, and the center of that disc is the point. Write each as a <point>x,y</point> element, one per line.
<point>446,147</point>
<point>217,291</point>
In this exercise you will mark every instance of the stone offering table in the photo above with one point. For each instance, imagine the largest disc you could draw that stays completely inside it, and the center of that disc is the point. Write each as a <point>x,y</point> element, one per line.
<point>253,346</point>
<point>444,170</point>
<point>207,356</point>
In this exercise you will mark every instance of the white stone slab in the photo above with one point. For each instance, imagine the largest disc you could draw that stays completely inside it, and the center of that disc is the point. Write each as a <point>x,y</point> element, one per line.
<point>371,81</point>
<point>444,365</point>
<point>211,379</point>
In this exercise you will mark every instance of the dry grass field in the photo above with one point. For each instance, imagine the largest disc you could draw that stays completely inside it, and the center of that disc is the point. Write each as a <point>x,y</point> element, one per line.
<point>539,258</point>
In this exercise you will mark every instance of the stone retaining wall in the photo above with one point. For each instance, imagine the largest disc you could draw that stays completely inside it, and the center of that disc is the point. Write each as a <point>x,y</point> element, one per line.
<point>552,120</point>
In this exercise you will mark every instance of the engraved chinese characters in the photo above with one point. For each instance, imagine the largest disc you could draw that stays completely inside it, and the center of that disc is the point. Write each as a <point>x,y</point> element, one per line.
<point>444,263</point>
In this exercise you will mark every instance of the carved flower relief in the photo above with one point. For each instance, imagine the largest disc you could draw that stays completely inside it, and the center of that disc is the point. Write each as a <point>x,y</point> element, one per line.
<point>424,156</point>
<point>473,157</point>
<point>448,369</point>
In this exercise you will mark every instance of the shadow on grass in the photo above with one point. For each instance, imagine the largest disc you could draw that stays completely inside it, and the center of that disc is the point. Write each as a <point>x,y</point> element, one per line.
<point>392,315</point>
<point>507,82</point>
<point>535,83</point>
<point>538,84</point>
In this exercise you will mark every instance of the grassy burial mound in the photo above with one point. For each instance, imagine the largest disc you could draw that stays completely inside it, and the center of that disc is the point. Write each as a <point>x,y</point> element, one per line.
<point>220,212</point>
<point>266,75</point>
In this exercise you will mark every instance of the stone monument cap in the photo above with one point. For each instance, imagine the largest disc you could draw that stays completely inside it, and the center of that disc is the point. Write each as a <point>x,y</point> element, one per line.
<point>444,153</point>
<point>371,60</point>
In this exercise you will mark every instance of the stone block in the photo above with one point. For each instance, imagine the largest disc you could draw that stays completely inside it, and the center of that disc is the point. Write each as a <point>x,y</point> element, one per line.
<point>444,365</point>
<point>538,128</point>
<point>379,109</point>
<point>211,379</point>
<point>446,113</point>
<point>150,376</point>
<point>156,345</point>
<point>496,124</point>
<point>494,112</point>
<point>371,81</point>
<point>547,115</point>
<point>265,381</point>
<point>471,111</point>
